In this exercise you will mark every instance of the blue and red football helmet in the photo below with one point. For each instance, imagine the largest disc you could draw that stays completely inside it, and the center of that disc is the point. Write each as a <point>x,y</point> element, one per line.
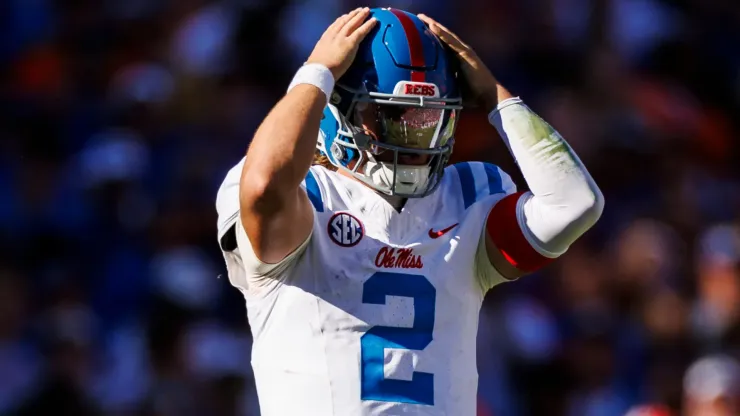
<point>399,101</point>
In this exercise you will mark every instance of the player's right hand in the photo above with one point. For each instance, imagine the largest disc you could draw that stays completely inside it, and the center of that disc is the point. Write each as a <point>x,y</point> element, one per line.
<point>338,45</point>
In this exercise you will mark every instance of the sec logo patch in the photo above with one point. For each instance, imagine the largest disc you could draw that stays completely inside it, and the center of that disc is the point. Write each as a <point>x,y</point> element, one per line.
<point>345,229</point>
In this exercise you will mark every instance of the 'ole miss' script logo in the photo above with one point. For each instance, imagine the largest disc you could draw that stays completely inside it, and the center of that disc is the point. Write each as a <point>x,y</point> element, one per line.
<point>404,258</point>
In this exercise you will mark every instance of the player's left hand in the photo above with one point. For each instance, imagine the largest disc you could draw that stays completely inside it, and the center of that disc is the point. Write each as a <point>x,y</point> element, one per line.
<point>481,82</point>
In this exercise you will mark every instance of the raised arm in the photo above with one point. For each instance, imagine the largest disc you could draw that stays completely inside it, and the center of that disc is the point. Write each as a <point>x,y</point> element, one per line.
<point>530,229</point>
<point>527,230</point>
<point>275,211</point>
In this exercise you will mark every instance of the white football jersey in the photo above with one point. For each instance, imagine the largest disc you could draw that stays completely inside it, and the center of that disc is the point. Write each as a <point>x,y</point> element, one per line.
<point>377,312</point>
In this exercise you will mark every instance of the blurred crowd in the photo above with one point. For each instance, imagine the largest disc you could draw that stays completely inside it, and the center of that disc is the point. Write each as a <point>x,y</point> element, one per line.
<point>120,118</point>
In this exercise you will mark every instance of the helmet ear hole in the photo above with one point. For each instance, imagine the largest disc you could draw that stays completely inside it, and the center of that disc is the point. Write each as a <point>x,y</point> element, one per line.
<point>337,151</point>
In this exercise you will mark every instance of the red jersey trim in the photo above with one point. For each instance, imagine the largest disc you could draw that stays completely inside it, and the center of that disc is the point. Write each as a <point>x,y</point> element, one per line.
<point>503,228</point>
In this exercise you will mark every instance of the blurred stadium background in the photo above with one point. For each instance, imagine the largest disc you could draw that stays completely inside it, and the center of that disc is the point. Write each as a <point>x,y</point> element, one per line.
<point>120,117</point>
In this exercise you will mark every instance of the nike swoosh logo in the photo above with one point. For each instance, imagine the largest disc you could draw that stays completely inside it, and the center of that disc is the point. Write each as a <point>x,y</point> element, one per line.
<point>440,233</point>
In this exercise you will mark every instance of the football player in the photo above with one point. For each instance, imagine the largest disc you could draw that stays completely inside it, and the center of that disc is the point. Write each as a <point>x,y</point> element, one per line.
<point>364,277</point>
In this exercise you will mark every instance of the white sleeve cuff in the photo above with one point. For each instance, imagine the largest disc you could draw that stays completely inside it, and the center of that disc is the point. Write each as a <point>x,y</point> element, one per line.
<point>503,104</point>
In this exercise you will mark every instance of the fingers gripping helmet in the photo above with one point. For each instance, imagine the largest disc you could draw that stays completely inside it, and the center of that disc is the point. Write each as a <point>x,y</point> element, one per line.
<point>398,100</point>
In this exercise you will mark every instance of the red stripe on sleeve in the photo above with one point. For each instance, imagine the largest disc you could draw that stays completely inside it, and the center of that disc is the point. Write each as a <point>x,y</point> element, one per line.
<point>503,228</point>
<point>416,48</point>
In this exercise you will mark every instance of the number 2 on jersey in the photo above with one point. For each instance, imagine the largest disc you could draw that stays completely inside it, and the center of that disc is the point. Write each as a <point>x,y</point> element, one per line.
<point>375,386</point>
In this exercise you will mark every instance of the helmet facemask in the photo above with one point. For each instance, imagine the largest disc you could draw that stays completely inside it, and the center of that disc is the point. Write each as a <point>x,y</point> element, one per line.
<point>403,140</point>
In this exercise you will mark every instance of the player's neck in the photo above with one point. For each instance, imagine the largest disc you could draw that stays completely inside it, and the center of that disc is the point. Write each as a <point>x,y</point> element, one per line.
<point>396,202</point>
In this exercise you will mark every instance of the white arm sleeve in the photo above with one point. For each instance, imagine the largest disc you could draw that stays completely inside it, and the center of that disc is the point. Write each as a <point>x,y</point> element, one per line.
<point>564,201</point>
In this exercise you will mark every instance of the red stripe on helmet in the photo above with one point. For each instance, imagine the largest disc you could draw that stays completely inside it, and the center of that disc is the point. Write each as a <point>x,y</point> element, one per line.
<point>416,48</point>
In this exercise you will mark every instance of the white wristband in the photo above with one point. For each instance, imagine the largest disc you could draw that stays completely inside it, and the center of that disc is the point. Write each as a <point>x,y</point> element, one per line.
<point>317,75</point>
